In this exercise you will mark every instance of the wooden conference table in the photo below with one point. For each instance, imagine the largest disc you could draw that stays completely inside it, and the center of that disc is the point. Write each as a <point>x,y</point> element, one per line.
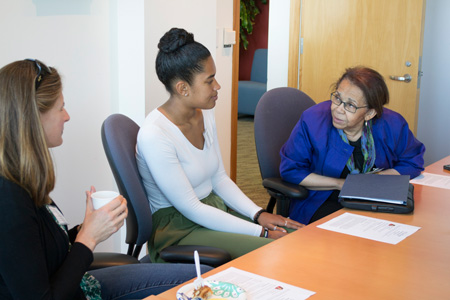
<point>339,266</point>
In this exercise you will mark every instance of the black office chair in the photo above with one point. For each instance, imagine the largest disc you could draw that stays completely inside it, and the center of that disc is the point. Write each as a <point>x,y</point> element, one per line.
<point>119,135</point>
<point>110,259</point>
<point>276,114</point>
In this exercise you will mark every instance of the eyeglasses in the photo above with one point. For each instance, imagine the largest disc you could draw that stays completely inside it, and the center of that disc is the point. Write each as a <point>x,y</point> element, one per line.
<point>40,73</point>
<point>336,99</point>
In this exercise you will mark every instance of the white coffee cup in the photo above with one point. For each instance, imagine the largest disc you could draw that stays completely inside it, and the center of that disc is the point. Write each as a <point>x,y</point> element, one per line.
<point>103,197</point>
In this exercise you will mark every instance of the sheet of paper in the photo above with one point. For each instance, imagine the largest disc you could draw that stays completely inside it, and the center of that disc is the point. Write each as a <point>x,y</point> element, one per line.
<point>434,180</point>
<point>259,287</point>
<point>369,228</point>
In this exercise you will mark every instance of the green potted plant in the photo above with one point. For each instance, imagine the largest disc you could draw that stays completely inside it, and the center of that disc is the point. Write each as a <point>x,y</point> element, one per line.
<point>249,10</point>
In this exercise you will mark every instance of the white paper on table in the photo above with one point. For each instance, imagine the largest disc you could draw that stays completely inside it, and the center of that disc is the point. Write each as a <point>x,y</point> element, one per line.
<point>259,287</point>
<point>434,180</point>
<point>369,228</point>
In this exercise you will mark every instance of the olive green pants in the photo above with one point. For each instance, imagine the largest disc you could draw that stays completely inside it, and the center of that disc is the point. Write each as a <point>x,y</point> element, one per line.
<point>170,227</point>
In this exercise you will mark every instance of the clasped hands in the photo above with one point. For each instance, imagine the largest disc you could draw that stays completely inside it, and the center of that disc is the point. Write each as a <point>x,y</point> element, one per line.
<point>276,224</point>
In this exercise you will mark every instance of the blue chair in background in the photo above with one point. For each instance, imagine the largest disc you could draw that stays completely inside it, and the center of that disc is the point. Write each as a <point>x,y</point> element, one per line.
<point>250,91</point>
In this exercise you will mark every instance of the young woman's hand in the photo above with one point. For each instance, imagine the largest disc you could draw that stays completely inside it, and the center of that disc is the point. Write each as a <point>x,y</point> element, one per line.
<point>276,234</point>
<point>275,224</point>
<point>100,224</point>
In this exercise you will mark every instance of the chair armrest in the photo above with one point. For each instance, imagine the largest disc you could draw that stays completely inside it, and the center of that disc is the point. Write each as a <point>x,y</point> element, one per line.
<point>105,259</point>
<point>289,190</point>
<point>210,256</point>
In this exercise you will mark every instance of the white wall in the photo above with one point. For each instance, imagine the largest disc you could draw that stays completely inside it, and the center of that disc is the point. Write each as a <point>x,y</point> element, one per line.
<point>434,106</point>
<point>128,59</point>
<point>105,50</point>
<point>76,40</point>
<point>278,44</point>
<point>224,66</point>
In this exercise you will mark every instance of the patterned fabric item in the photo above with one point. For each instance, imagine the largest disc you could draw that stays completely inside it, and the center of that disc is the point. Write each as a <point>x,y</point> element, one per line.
<point>89,285</point>
<point>367,148</point>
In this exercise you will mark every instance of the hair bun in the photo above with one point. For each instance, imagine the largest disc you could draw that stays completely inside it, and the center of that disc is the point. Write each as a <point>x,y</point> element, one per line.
<point>174,39</point>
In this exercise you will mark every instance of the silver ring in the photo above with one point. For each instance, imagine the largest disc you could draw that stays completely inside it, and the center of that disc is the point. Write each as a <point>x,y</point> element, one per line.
<point>285,223</point>
<point>275,228</point>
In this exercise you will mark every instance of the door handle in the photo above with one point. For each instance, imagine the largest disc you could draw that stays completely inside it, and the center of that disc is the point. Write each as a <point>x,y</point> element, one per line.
<point>405,78</point>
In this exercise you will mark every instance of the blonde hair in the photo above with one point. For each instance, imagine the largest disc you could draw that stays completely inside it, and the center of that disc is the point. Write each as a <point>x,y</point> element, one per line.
<point>24,155</point>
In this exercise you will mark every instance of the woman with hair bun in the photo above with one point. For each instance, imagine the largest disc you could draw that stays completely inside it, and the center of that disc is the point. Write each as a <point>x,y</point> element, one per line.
<point>192,199</point>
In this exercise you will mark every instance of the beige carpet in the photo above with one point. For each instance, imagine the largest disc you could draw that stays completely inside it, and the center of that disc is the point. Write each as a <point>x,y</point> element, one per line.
<point>248,177</point>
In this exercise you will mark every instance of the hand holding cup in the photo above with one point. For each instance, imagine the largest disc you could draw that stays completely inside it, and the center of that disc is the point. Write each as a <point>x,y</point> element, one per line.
<point>98,223</point>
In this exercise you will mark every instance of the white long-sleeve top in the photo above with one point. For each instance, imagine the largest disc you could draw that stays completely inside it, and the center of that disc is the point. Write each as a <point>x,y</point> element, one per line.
<point>176,173</point>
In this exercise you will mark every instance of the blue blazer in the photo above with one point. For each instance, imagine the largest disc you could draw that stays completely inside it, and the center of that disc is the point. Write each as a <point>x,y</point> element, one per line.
<point>315,146</point>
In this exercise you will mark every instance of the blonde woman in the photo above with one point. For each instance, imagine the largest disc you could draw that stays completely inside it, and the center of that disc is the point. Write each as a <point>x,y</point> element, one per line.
<point>39,257</point>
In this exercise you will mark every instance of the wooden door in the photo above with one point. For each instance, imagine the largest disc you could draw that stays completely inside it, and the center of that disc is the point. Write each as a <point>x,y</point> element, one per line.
<point>385,35</point>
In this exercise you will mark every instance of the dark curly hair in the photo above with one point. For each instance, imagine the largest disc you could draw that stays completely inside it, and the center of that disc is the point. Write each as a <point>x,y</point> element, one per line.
<point>179,57</point>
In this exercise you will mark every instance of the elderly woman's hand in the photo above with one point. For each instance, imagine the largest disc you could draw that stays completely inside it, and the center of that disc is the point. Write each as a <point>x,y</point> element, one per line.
<point>276,223</point>
<point>389,172</point>
<point>100,224</point>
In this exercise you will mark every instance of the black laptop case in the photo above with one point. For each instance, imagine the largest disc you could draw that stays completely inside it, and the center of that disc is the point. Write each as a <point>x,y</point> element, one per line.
<point>357,183</point>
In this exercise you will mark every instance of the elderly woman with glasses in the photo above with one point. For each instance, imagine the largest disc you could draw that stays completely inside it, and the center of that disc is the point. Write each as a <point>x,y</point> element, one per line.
<point>352,133</point>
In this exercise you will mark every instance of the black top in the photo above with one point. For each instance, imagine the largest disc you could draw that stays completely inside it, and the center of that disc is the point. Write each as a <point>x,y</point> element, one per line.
<point>35,262</point>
